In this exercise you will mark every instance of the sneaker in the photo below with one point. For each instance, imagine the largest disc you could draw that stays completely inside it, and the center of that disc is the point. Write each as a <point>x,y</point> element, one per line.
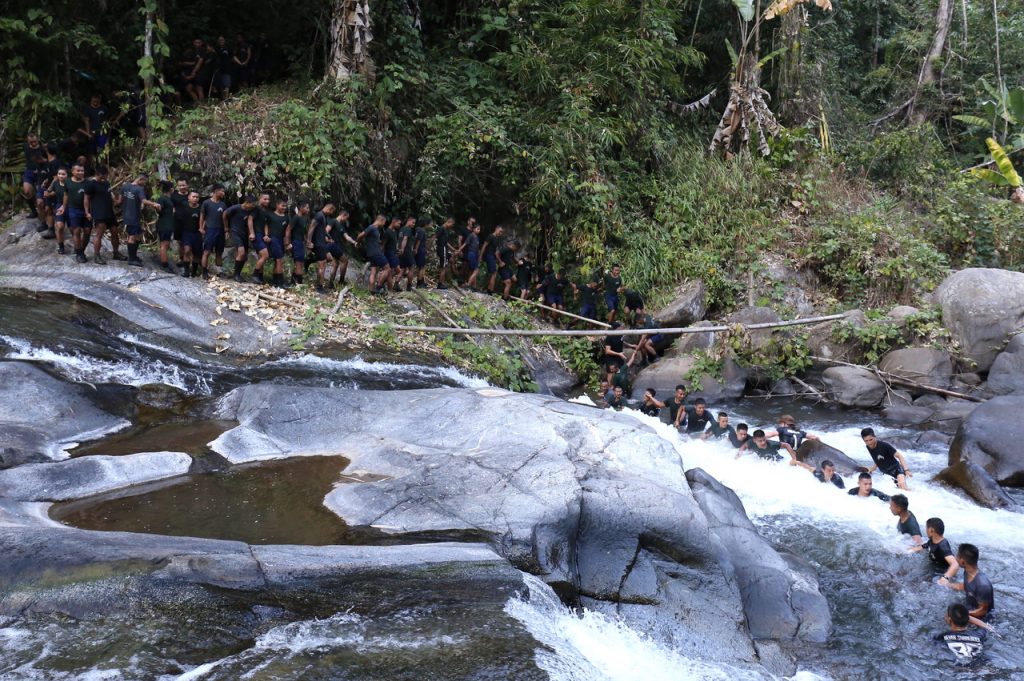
<point>421,284</point>
<point>257,280</point>
<point>206,274</point>
<point>181,263</point>
<point>99,259</point>
<point>135,262</point>
<point>60,248</point>
<point>187,273</point>
<point>237,278</point>
<point>319,288</point>
<point>117,256</point>
<point>80,258</point>
<point>49,234</point>
<point>441,287</point>
<point>42,228</point>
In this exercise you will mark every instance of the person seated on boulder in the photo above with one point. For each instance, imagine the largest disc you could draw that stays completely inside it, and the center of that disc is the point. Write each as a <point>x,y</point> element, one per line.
<point>789,433</point>
<point>651,405</point>
<point>676,408</point>
<point>864,488</point>
<point>719,428</point>
<point>740,437</point>
<point>646,345</point>
<point>697,418</point>
<point>899,505</point>
<point>615,350</point>
<point>886,459</point>
<point>965,643</point>
<point>634,306</point>
<point>937,546</point>
<point>769,450</point>
<point>977,587</point>
<point>616,399</point>
<point>827,473</point>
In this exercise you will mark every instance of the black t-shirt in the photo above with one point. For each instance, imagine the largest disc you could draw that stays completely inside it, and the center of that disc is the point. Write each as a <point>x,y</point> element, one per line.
<point>909,527</point>
<point>612,284</point>
<point>101,203</point>
<point>937,553</point>
<point>524,275</point>
<point>616,343</point>
<point>277,225</point>
<point>734,438</point>
<point>650,409</point>
<point>389,239</point>
<point>299,223</point>
<point>238,219</point>
<point>490,245</point>
<point>553,286</point>
<point>165,222</point>
<point>884,456</point>
<point>634,300</point>
<point>673,408</point>
<point>791,437</point>
<point>507,256</point>
<point>966,646</point>
<point>320,222</point>
<point>213,213</point>
<point>718,431</point>
<point>586,294</point>
<point>836,480</point>
<point>979,590</point>
<point>874,492</point>
<point>260,216</point>
<point>371,240</point>
<point>35,157</point>
<point>441,237</point>
<point>180,201</point>
<point>189,218</point>
<point>406,234</point>
<point>696,423</point>
<point>420,239</point>
<point>96,116</point>
<point>472,243</point>
<point>76,193</point>
<point>769,452</point>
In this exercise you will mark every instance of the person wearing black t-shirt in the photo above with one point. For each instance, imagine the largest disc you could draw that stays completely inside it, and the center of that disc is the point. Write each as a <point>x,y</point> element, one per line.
<point>937,546</point>
<point>35,156</point>
<point>978,590</point>
<point>676,408</point>
<point>380,271</point>
<point>651,405</point>
<point>166,223</point>
<point>94,124</point>
<point>886,458</point>
<point>612,289</point>
<point>899,505</point>
<point>55,194</point>
<point>238,219</point>
<point>180,200</point>
<point>74,210</point>
<point>966,644</point>
<point>242,58</point>
<point>441,245</point>
<point>489,255</point>
<point>865,488</point>
<point>420,250</point>
<point>274,235</point>
<point>790,433</point>
<point>587,293</point>
<point>827,473</point>
<point>740,438</point>
<point>295,241</point>
<point>719,428</point>
<point>769,450</point>
<point>188,219</point>
<point>212,225</point>
<point>337,231</point>
<point>507,267</point>
<point>524,278</point>
<point>614,349</point>
<point>634,305</point>
<point>316,241</point>
<point>99,210</point>
<point>258,222</point>
<point>697,417</point>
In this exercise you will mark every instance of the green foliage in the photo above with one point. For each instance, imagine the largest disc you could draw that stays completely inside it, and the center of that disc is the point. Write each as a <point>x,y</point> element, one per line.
<point>1005,175</point>
<point>312,326</point>
<point>705,363</point>
<point>881,335</point>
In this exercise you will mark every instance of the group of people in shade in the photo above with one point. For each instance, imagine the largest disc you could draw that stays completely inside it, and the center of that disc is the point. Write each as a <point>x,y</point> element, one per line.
<point>968,621</point>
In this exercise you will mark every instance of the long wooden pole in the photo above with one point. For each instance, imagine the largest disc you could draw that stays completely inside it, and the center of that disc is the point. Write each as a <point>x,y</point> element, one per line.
<point>612,332</point>
<point>563,313</point>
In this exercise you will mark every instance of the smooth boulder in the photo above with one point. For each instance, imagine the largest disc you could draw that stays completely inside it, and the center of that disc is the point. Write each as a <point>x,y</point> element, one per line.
<point>853,386</point>
<point>977,483</point>
<point>982,307</point>
<point>928,366</point>
<point>688,305</point>
<point>666,374</point>
<point>816,451</point>
<point>991,437</point>
<point>1006,374</point>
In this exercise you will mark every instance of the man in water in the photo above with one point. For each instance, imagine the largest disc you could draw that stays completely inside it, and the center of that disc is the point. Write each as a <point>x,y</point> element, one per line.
<point>766,449</point>
<point>651,405</point>
<point>965,644</point>
<point>886,458</point>
<point>741,437</point>
<point>616,398</point>
<point>977,587</point>
<point>614,350</point>
<point>937,546</point>
<point>697,418</point>
<point>864,488</point>
<point>827,473</point>
<point>789,433</point>
<point>676,408</point>
<point>899,505</point>
<point>719,428</point>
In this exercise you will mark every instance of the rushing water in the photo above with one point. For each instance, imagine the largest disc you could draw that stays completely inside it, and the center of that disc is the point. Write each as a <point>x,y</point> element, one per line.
<point>885,603</point>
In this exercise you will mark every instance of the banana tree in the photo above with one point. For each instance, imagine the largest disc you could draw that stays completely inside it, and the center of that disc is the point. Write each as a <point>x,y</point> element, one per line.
<point>1002,114</point>
<point>747,113</point>
<point>1005,175</point>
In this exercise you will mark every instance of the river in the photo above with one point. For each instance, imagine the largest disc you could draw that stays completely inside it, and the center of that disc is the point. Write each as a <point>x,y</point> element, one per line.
<point>884,601</point>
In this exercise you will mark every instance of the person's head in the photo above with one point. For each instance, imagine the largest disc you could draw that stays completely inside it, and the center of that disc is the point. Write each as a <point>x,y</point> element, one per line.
<point>967,555</point>
<point>303,208</point>
<point>723,419</point>
<point>32,139</point>
<point>142,180</point>
<point>197,44</point>
<point>828,469</point>
<point>221,41</point>
<point>649,394</point>
<point>396,222</point>
<point>410,221</point>
<point>605,386</point>
<point>498,230</point>
<point>328,208</point>
<point>699,405</point>
<point>741,431</point>
<point>239,38</point>
<point>62,174</point>
<point>182,185</point>
<point>95,101</point>
<point>264,200</point>
<point>612,368</point>
<point>864,484</point>
<point>759,437</point>
<point>899,504</point>
<point>680,392</point>
<point>868,435</point>
<point>78,172</point>
<point>248,202</point>
<point>957,615</point>
<point>470,221</point>
<point>787,420</point>
<point>475,228</point>
<point>218,192</point>
<point>166,186</point>
<point>280,206</point>
<point>193,199</point>
<point>515,246</point>
<point>51,150</point>
<point>449,223</point>
<point>101,171</point>
<point>380,220</point>
<point>934,527</point>
<point>618,391</point>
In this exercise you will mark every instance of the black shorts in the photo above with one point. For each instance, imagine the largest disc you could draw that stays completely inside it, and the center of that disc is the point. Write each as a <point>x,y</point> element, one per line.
<point>505,273</point>
<point>405,261</point>
<point>893,472</point>
<point>442,256</point>
<point>319,252</point>
<point>377,260</point>
<point>239,240</point>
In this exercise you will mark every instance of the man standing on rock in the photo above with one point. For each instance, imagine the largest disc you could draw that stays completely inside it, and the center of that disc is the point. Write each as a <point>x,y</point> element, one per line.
<point>316,241</point>
<point>886,458</point>
<point>899,505</point>
<point>133,200</point>
<point>180,199</point>
<point>937,546</point>
<point>211,227</point>
<point>258,229</point>
<point>612,289</point>
<point>238,219</point>
<point>441,242</point>
<point>420,251</point>
<point>275,236</point>
<point>167,223</point>
<point>380,270</point>
<point>864,488</point>
<point>99,211</point>
<point>295,240</point>
<point>74,209</point>
<point>188,220</point>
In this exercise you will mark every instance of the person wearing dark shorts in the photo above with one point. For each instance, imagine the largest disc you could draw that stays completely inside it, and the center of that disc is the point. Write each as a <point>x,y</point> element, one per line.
<point>35,156</point>
<point>380,270</point>
<point>99,210</point>
<point>133,200</point>
<point>634,305</point>
<point>74,209</point>
<point>865,488</point>
<point>238,219</point>
<point>275,233</point>
<point>489,252</point>
<point>406,250</point>
<point>420,251</point>
<point>188,219</point>
<point>886,458</point>
<point>260,215</point>
<point>337,231</point>
<point>46,174</point>
<point>166,223</point>
<point>94,124</point>
<point>899,506</point>
<point>316,241</point>
<point>978,591</point>
<point>55,194</point>
<point>471,249</point>
<point>507,267</point>
<point>612,289</point>
<point>295,241</point>
<point>586,292</point>
<point>212,226</point>
<point>389,243</point>
<point>180,199</point>
<point>553,288</point>
<point>442,237</point>
<point>939,551</point>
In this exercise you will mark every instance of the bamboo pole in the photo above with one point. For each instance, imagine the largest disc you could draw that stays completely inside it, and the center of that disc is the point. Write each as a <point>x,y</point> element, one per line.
<point>613,332</point>
<point>563,312</point>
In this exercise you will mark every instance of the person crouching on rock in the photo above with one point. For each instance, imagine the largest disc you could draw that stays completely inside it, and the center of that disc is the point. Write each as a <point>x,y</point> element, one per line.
<point>886,459</point>
<point>827,473</point>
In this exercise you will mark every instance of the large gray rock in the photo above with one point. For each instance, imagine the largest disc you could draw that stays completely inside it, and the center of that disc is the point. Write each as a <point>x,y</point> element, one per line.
<point>759,338</point>
<point>688,305</point>
<point>977,483</point>
<point>42,416</point>
<point>89,475</point>
<point>780,592</point>
<point>593,502</point>
<point>853,386</point>
<point>666,374</point>
<point>816,451</point>
<point>991,437</point>
<point>928,366</point>
<point>981,307</point>
<point>1007,372</point>
<point>822,342</point>
<point>688,343</point>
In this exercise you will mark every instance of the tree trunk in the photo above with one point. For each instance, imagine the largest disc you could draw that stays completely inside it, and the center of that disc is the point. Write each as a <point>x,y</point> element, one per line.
<point>929,74</point>
<point>147,55</point>
<point>350,37</point>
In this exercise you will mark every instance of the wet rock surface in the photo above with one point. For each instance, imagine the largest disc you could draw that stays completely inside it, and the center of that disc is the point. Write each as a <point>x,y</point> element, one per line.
<point>977,483</point>
<point>991,437</point>
<point>981,308</point>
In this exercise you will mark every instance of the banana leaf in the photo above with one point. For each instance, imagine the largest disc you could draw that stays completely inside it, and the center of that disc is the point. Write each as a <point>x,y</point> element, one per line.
<point>1004,163</point>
